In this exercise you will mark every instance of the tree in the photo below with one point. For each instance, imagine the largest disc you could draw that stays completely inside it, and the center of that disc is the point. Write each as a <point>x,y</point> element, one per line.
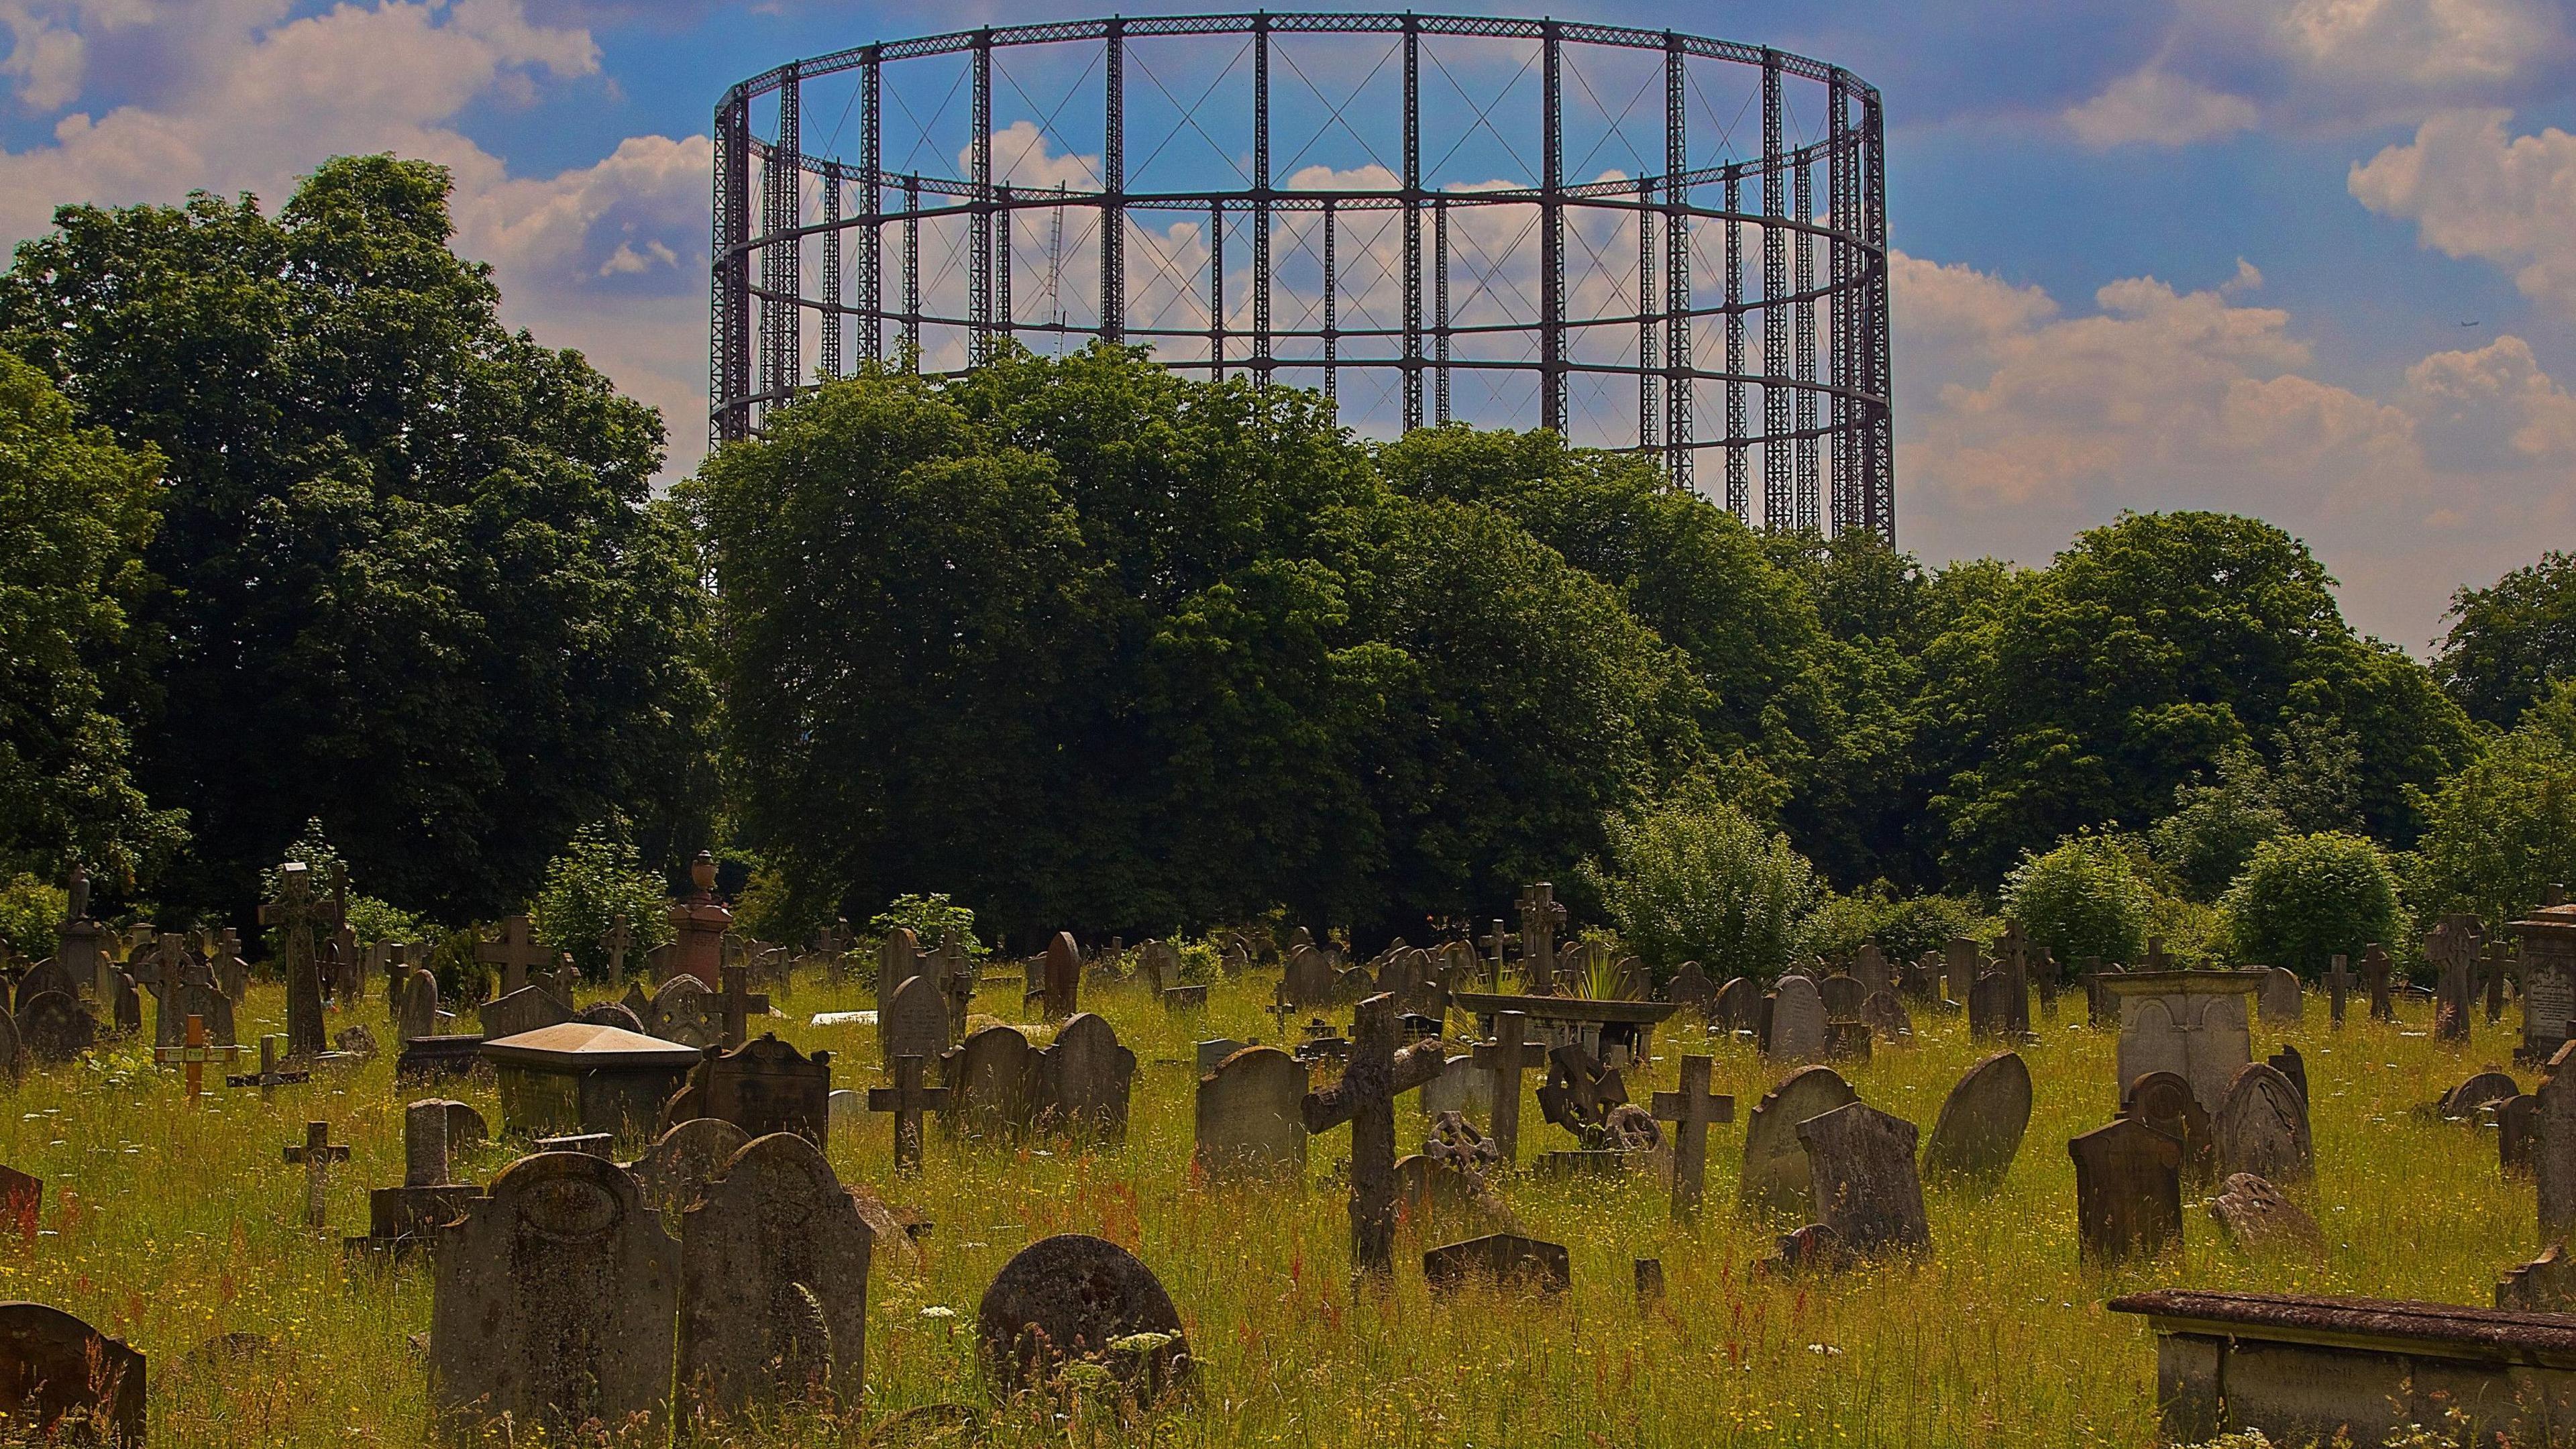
<point>1695,878</point>
<point>2503,827</point>
<point>2510,641</point>
<point>2215,825</point>
<point>415,582</point>
<point>2305,899</point>
<point>596,879</point>
<point>76,513</point>
<point>2084,898</point>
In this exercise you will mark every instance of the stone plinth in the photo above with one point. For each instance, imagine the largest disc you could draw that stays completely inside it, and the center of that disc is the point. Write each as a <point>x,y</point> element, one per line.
<point>2190,1023</point>
<point>578,1078</point>
<point>2548,938</point>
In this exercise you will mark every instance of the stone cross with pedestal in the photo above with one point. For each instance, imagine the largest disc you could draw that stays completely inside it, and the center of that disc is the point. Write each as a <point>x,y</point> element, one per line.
<point>294,914</point>
<point>1691,1110</point>
<point>1542,916</point>
<point>1372,1079</point>
<point>907,1099</point>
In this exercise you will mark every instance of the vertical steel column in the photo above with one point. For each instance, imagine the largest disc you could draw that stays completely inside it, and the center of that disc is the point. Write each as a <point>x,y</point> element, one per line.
<point>1002,314</point>
<point>1649,403</point>
<point>1113,199</point>
<point>1551,303</point>
<point>1440,309</point>
<point>828,365</point>
<point>1412,223</point>
<point>782,253</point>
<point>979,221</point>
<point>729,316</point>
<point>872,232</point>
<point>1332,328</point>
<point>1216,290</point>
<point>1839,194</point>
<point>912,273</point>
<point>1805,309</point>
<point>1678,384</point>
<point>1739,483</point>
<point>1261,200</point>
<point>1878,440</point>
<point>1779,498</point>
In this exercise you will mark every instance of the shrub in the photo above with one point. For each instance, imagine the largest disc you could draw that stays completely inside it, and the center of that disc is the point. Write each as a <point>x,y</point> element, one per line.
<point>930,918</point>
<point>1902,927</point>
<point>2215,826</point>
<point>31,916</point>
<point>2304,899</point>
<point>1701,880</point>
<point>2085,898</point>
<point>597,878</point>
<point>2503,829</point>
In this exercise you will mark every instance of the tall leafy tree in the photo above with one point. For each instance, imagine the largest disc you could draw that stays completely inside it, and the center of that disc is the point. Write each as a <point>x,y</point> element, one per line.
<point>2511,640</point>
<point>416,586</point>
<point>76,512</point>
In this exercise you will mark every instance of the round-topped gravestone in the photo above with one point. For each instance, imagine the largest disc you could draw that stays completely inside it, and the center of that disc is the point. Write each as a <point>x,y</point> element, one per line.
<point>683,1160</point>
<point>55,1027</point>
<point>1078,1297</point>
<point>1775,1177</point>
<point>2461,1103</point>
<point>1737,1005</point>
<point>1980,1127</point>
<point>610,1013</point>
<point>2262,1127</point>
<point>2164,1101</point>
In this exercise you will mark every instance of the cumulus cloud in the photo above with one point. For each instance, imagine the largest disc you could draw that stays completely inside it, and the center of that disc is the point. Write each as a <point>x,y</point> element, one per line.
<point>2475,190</point>
<point>2159,108</point>
<point>2022,423</point>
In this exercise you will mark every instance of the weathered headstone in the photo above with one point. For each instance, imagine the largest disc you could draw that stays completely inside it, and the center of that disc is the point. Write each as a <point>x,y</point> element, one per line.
<point>2165,1102</point>
<point>1502,1260</point>
<point>1691,1109</point>
<point>1980,1127</point>
<point>1084,1077</point>
<point>2262,1127</point>
<point>64,1381</point>
<point>316,1153</point>
<point>2257,1216</point>
<point>1542,916</point>
<point>685,1011</point>
<point>2554,1146</point>
<point>1072,1297</point>
<point>1990,1006</point>
<point>56,1027</point>
<point>1063,977</point>
<point>294,913</point>
<point>2546,1284</point>
<point>525,1009</point>
<point>2547,937</point>
<point>682,1161</point>
<point>1737,1007</point>
<point>2461,1103</point>
<point>1860,1164</point>
<point>1842,995</point>
<point>1798,1020</point>
<point>774,1282</point>
<point>2128,1191</point>
<point>2339,983</point>
<point>907,1100</point>
<point>2375,972</point>
<point>418,1015</point>
<point>766,1086</point>
<point>1365,1097</point>
<point>1774,1178</point>
<point>554,1302</point>
<point>1885,1015</point>
<point>1691,990</point>
<point>515,951</point>
<point>1247,1115</point>
<point>2452,946</point>
<point>992,1084</point>
<point>914,1022</point>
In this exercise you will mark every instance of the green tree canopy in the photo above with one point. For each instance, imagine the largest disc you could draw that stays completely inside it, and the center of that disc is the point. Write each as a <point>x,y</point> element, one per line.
<point>76,513</point>
<point>415,584</point>
<point>2083,898</point>
<point>2305,899</point>
<point>2510,641</point>
<point>2503,827</point>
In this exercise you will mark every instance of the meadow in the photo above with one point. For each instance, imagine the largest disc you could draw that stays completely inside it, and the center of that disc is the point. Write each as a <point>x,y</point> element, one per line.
<point>170,1227</point>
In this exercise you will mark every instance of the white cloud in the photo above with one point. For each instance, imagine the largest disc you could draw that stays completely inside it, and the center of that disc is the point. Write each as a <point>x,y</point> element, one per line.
<point>2021,424</point>
<point>2472,190</point>
<point>2159,108</point>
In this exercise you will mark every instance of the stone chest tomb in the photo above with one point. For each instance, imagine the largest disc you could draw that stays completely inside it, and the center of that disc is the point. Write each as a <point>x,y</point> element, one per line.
<point>579,1078</point>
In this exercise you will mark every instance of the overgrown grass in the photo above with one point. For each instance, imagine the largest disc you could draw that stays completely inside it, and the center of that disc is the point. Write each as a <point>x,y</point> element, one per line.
<point>167,1226</point>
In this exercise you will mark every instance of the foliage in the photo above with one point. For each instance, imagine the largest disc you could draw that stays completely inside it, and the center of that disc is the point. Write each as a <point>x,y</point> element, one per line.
<point>598,877</point>
<point>2192,933</point>
<point>2512,641</point>
<point>2216,824</point>
<point>76,514</point>
<point>415,584</point>
<point>1698,879</point>
<point>2084,898</point>
<point>2305,899</point>
<point>1902,927</point>
<point>381,920</point>
<point>932,919</point>
<point>2503,828</point>
<point>32,912</point>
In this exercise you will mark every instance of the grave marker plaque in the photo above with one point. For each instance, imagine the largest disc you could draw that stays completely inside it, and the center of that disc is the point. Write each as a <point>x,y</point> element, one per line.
<point>2548,939</point>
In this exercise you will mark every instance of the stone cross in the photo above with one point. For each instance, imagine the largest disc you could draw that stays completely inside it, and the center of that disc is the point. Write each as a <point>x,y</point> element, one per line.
<point>515,951</point>
<point>1504,1058</point>
<point>2157,960</point>
<point>833,940</point>
<point>741,1004</point>
<point>1691,1110</point>
<point>294,913</point>
<point>2338,985</point>
<point>2453,946</point>
<point>1495,940</point>
<point>1375,1075</point>
<point>619,940</point>
<point>2374,974</point>
<point>1541,915</point>
<point>907,1099</point>
<point>317,1154</point>
<point>194,1056</point>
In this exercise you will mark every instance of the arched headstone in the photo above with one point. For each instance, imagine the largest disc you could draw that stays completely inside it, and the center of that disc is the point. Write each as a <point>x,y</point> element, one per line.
<point>1981,1124</point>
<point>774,1282</point>
<point>1774,1179</point>
<point>1072,1297</point>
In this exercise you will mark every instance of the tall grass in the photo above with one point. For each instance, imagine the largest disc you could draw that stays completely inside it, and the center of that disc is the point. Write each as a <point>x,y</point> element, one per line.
<point>167,1226</point>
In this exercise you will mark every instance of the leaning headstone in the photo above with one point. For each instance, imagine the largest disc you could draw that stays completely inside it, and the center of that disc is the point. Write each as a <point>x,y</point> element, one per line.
<point>2128,1191</point>
<point>1071,1297</point>
<point>1774,1178</point>
<point>525,1009</point>
<point>554,1302</point>
<point>418,1014</point>
<point>2461,1103</point>
<point>64,1381</point>
<point>2290,1064</point>
<point>992,1084</point>
<point>1737,1007</point>
<point>1063,977</point>
<point>1503,1260</point>
<point>683,1160</point>
<point>914,1021</point>
<point>56,1027</point>
<point>2257,1217</point>
<point>1247,1115</point>
<point>1084,1076</point>
<point>2262,1127</point>
<point>1860,1163</point>
<point>1980,1127</point>
<point>1797,1021</point>
<point>773,1282</point>
<point>2165,1102</point>
<point>2279,1000</point>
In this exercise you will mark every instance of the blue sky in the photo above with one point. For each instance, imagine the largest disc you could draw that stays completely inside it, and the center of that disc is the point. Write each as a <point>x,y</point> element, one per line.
<point>2159,253</point>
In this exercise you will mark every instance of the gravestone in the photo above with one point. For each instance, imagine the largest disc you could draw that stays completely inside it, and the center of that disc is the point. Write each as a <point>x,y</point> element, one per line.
<point>1084,1077</point>
<point>2517,1134</point>
<point>907,1099</point>
<point>418,1014</point>
<point>1215,1050</point>
<point>2461,1103</point>
<point>1500,1260</point>
<point>55,1027</point>
<point>1990,1006</point>
<point>610,1013</point>
<point>1502,1060</point>
<point>402,1220</point>
<point>1959,969</point>
<point>554,1302</point>
<point>1737,1006</point>
<point>1842,996</point>
<point>525,1009</point>
<point>766,1086</point>
<point>898,961</point>
<point>685,1011</point>
<point>1774,1178</point>
<point>1797,1032</point>
<point>2290,1064</point>
<point>1980,1127</point>
<point>2548,940</point>
<point>914,1022</point>
<point>59,1376</point>
<point>1860,1164</point>
<point>1462,1087</point>
<point>992,1084</point>
<point>1374,1076</point>
<point>2553,1161</point>
<point>1074,1297</point>
<point>515,950</point>
<point>295,913</point>
<point>2128,1191</point>
<point>2262,1127</point>
<point>1692,1109</point>
<point>2278,1001</point>
<point>1691,990</point>
<point>2165,1102</point>
<point>1870,967</point>
<point>2452,946</point>
<point>2190,1023</point>
<point>774,1282</point>
<point>2376,973</point>
<point>1542,916</point>
<point>1308,980</point>
<point>1247,1115</point>
<point>1063,977</point>
<point>2257,1217</point>
<point>1885,1015</point>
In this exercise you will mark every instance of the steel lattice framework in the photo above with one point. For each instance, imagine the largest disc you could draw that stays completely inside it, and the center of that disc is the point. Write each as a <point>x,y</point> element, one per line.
<point>1304,306</point>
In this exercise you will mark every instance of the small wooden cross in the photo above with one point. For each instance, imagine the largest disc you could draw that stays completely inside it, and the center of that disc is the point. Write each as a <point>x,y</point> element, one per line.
<point>194,1057</point>
<point>515,952</point>
<point>741,1004</point>
<point>2338,984</point>
<point>619,940</point>
<point>1374,1076</point>
<point>1691,1110</point>
<point>317,1154</point>
<point>907,1099</point>
<point>1504,1058</point>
